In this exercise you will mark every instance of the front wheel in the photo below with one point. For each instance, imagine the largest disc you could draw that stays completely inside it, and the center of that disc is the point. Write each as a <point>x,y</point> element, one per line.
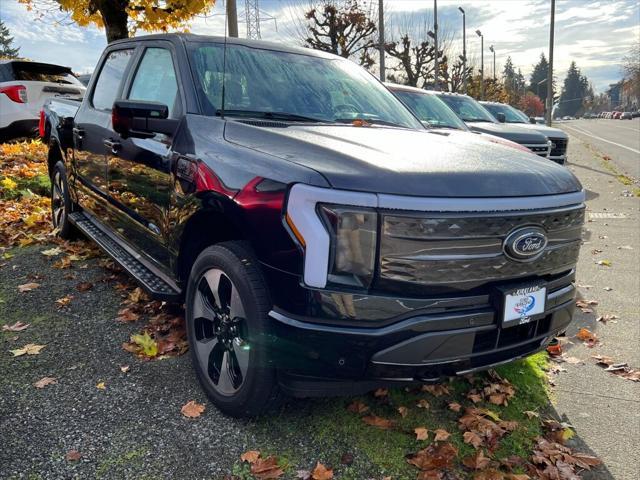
<point>61,203</point>
<point>227,304</point>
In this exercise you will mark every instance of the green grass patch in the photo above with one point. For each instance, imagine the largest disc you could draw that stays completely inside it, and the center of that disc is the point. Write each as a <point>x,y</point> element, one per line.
<point>115,464</point>
<point>376,452</point>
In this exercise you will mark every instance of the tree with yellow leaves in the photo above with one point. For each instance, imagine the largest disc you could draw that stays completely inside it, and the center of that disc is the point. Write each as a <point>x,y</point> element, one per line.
<point>119,18</point>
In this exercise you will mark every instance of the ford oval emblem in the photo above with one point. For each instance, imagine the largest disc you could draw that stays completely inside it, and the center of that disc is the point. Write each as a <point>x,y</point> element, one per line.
<point>525,244</point>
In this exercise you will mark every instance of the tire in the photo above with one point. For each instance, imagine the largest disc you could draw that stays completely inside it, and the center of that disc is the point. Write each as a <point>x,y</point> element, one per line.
<point>61,204</point>
<point>227,304</point>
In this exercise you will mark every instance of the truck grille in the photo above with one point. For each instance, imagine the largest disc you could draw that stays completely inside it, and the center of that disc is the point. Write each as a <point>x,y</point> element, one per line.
<point>464,250</point>
<point>541,149</point>
<point>560,148</point>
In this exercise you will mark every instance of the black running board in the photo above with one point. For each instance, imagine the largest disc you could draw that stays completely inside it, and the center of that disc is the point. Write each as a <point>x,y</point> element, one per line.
<point>149,278</point>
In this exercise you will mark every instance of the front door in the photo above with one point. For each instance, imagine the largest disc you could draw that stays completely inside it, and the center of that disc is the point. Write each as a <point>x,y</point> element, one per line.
<point>139,170</point>
<point>92,126</point>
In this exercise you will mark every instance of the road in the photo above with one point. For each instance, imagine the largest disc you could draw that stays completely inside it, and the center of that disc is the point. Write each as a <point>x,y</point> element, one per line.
<point>620,139</point>
<point>604,409</point>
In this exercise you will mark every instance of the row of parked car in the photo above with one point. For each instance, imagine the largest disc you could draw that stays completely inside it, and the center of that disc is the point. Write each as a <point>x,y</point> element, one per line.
<point>616,115</point>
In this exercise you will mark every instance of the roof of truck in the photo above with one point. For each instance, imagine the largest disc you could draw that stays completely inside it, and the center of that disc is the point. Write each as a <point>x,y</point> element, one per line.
<point>191,37</point>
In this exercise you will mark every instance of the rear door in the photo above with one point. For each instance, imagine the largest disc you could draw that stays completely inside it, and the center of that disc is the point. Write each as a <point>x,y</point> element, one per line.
<point>139,170</point>
<point>92,129</point>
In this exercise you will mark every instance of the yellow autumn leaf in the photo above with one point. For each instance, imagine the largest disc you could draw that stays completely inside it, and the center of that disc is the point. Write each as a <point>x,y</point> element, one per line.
<point>101,386</point>
<point>28,349</point>
<point>568,434</point>
<point>146,343</point>
<point>8,184</point>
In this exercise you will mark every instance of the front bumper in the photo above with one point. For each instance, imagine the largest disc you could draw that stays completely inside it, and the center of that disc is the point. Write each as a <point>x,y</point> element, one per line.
<point>448,337</point>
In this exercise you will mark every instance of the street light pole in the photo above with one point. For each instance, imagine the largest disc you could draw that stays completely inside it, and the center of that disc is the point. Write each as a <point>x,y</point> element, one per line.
<point>464,50</point>
<point>435,41</point>
<point>479,33</point>
<point>494,61</point>
<point>381,40</point>
<point>550,74</point>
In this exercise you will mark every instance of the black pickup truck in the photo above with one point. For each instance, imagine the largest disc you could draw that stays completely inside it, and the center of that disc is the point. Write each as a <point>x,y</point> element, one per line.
<point>322,240</point>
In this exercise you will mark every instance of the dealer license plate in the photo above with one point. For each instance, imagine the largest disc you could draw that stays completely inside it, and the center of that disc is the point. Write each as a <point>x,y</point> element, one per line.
<point>523,303</point>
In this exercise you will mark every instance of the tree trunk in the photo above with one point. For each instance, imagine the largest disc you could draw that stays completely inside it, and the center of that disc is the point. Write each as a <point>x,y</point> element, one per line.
<point>114,16</point>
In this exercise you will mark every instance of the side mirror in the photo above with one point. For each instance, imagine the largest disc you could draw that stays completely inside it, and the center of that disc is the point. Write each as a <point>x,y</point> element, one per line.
<point>501,118</point>
<point>532,120</point>
<point>141,119</point>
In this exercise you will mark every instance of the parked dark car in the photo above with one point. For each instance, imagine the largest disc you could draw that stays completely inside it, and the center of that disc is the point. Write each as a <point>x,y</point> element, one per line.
<point>437,116</point>
<point>323,242</point>
<point>626,116</point>
<point>479,119</point>
<point>559,139</point>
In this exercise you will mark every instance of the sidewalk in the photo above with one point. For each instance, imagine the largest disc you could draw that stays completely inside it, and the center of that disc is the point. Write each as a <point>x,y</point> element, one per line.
<point>603,408</point>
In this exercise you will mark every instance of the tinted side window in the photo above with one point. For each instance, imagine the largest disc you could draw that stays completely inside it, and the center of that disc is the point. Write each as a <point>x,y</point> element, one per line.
<point>155,80</point>
<point>110,77</point>
<point>6,73</point>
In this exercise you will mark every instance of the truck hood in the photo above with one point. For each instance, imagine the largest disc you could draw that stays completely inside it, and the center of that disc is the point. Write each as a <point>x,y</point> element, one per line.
<point>510,132</point>
<point>407,162</point>
<point>549,132</point>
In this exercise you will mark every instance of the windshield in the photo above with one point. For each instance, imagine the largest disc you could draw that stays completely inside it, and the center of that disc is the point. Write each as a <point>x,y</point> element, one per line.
<point>511,115</point>
<point>467,108</point>
<point>292,86</point>
<point>430,109</point>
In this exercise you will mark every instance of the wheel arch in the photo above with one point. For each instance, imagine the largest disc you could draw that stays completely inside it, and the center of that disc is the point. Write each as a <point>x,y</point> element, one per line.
<point>204,228</point>
<point>54,155</point>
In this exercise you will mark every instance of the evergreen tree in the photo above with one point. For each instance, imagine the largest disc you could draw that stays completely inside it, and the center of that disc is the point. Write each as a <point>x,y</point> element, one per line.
<point>537,83</point>
<point>574,92</point>
<point>6,50</point>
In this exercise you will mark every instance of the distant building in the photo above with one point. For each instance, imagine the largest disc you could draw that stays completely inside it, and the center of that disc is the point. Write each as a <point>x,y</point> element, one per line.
<point>614,94</point>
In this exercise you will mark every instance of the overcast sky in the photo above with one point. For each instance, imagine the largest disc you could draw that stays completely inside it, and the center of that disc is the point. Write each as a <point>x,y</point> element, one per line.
<point>596,34</point>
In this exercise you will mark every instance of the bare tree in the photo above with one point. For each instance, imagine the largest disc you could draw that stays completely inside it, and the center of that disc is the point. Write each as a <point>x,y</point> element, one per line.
<point>343,27</point>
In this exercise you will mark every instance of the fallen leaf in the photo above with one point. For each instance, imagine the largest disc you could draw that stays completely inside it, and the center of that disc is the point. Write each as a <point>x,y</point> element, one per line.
<point>403,411</point>
<point>454,406</point>
<point>28,349</point>
<point>434,457</point>
<point>531,414</point>
<point>437,390</point>
<point>266,469</point>
<point>474,397</point>
<point>27,287</point>
<point>472,438</point>
<point>84,286</point>
<point>148,345</point>
<point>124,368</point>
<point>441,435</point>
<point>587,336</point>
<point>379,422</point>
<point>422,403</point>
<point>476,461</point>
<point>64,301</point>
<point>381,392</point>
<point>192,409</point>
<point>101,386</point>
<point>421,433</point>
<point>491,474</point>
<point>72,456</point>
<point>250,456</point>
<point>606,318</point>
<point>321,472</point>
<point>604,263</point>
<point>303,474</point>
<point>357,407</point>
<point>127,315</point>
<point>44,381</point>
<point>16,327</point>
<point>52,252</point>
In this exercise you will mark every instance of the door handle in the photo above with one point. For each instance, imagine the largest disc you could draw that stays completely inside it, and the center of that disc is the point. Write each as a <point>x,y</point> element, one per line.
<point>78,132</point>
<point>112,144</point>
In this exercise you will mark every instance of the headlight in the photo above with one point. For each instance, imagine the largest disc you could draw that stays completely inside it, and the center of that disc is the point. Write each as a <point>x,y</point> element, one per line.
<point>336,229</point>
<point>353,234</point>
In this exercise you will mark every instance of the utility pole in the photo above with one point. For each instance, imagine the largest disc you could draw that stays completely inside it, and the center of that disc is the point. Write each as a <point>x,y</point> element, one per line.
<point>550,75</point>
<point>435,41</point>
<point>491,49</point>
<point>252,18</point>
<point>464,50</point>
<point>381,38</point>
<point>479,33</point>
<point>232,18</point>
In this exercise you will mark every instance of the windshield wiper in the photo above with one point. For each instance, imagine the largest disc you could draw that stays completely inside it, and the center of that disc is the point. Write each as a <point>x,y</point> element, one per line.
<point>477,120</point>
<point>272,115</point>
